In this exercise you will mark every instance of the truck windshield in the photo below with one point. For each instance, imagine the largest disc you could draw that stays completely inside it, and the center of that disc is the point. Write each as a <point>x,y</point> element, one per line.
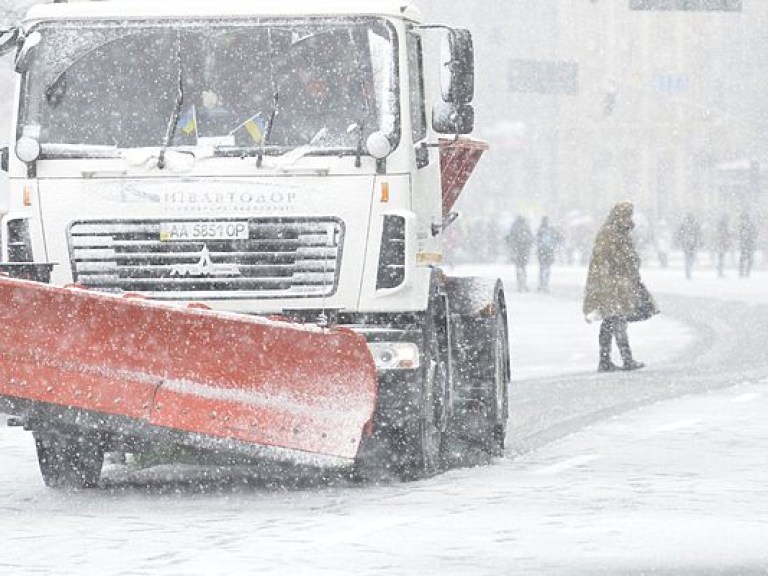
<point>271,85</point>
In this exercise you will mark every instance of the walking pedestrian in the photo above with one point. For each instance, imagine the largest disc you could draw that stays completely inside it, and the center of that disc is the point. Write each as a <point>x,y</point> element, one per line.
<point>614,292</point>
<point>722,244</point>
<point>689,238</point>
<point>662,240</point>
<point>519,242</point>
<point>547,240</point>
<point>747,244</point>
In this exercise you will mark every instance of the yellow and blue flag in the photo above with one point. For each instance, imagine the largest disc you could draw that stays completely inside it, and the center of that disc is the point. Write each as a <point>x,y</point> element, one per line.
<point>188,121</point>
<point>256,127</point>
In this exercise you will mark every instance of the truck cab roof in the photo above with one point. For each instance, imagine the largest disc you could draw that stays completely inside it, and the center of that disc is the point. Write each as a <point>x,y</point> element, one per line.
<point>171,9</point>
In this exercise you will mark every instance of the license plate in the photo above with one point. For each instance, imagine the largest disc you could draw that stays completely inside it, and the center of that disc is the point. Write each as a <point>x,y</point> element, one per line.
<point>170,231</point>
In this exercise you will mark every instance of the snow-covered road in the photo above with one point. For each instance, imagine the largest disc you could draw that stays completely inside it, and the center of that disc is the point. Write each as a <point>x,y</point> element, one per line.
<point>602,476</point>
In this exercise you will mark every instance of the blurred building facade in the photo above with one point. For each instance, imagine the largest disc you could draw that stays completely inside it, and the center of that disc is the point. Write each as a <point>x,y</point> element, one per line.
<point>666,109</point>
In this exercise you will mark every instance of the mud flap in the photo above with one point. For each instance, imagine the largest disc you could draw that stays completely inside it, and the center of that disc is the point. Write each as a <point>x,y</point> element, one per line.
<point>223,376</point>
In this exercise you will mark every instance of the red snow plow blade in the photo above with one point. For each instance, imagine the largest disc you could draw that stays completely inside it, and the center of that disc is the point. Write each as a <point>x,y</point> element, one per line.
<point>223,376</point>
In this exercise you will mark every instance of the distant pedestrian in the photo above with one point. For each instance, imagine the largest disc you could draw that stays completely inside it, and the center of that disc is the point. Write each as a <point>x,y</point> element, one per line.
<point>614,292</point>
<point>519,242</point>
<point>747,244</point>
<point>662,241</point>
<point>722,244</point>
<point>548,238</point>
<point>689,238</point>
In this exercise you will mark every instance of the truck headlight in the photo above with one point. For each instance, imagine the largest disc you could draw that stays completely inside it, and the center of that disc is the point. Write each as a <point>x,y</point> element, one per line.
<point>395,355</point>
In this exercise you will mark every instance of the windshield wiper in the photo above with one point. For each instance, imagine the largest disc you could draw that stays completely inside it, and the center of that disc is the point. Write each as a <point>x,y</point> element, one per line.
<point>366,112</point>
<point>360,127</point>
<point>268,130</point>
<point>176,113</point>
<point>275,101</point>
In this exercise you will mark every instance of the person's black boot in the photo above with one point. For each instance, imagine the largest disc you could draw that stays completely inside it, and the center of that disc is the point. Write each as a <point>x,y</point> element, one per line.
<point>607,366</point>
<point>622,341</point>
<point>629,363</point>
<point>632,365</point>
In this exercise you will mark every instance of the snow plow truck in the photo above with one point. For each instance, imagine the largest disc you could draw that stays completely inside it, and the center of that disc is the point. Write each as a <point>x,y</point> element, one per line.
<point>223,236</point>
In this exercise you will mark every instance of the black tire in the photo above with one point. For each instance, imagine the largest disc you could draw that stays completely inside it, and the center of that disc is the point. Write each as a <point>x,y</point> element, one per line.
<point>497,394</point>
<point>421,439</point>
<point>69,460</point>
<point>378,461</point>
<point>481,370</point>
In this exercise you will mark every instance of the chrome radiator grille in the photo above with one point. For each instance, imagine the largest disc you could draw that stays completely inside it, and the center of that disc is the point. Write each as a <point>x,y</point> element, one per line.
<point>279,258</point>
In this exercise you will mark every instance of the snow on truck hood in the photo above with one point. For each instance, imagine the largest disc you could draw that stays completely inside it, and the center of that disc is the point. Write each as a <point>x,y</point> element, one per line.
<point>227,8</point>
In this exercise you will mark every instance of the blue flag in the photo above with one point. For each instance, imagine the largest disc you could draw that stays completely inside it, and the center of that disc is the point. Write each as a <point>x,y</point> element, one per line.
<point>188,121</point>
<point>256,127</point>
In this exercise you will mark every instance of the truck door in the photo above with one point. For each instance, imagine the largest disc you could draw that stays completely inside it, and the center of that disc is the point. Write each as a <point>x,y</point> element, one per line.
<point>425,175</point>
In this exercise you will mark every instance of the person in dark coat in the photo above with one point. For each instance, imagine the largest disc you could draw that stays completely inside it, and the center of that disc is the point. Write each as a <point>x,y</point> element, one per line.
<point>747,244</point>
<point>689,238</point>
<point>614,292</point>
<point>547,241</point>
<point>519,242</point>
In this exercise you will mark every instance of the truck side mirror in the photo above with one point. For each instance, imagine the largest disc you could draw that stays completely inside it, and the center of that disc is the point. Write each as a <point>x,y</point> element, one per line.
<point>450,118</point>
<point>4,158</point>
<point>458,73</point>
<point>8,37</point>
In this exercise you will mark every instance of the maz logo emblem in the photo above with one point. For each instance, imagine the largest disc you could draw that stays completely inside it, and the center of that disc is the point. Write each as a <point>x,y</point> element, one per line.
<point>205,267</point>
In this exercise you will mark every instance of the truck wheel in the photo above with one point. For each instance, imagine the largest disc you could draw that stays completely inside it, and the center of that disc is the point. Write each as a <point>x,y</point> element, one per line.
<point>70,461</point>
<point>422,438</point>
<point>481,369</point>
<point>497,399</point>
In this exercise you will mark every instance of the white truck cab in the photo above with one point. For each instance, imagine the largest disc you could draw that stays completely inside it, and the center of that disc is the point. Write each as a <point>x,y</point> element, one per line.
<point>263,158</point>
<point>252,156</point>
